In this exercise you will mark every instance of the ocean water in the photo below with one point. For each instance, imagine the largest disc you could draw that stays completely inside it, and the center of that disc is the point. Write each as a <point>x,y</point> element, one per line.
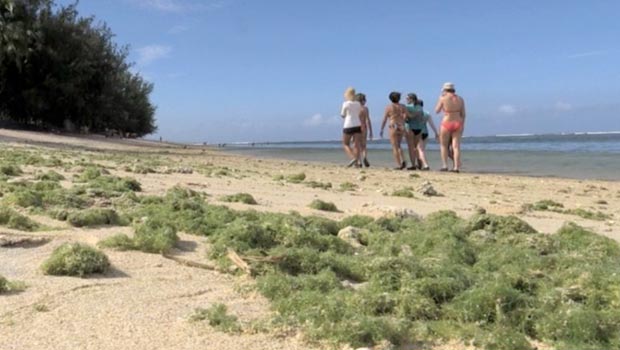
<point>579,156</point>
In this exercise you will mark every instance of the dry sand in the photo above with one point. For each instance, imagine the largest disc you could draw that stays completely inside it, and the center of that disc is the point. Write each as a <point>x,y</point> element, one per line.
<point>145,301</point>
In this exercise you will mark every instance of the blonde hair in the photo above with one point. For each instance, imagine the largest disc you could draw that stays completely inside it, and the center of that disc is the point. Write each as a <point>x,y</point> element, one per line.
<point>349,94</point>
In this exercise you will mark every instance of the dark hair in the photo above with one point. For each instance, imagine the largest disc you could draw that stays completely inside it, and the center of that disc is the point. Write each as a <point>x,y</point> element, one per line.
<point>360,97</point>
<point>450,90</point>
<point>412,96</point>
<point>419,103</point>
<point>394,96</point>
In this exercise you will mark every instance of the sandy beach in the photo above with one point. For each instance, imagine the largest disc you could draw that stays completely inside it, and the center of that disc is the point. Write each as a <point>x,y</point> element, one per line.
<point>145,301</point>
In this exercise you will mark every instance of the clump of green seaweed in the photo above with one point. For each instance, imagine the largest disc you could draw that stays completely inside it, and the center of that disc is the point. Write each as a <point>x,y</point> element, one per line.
<point>7,286</point>
<point>550,205</point>
<point>75,259</point>
<point>245,198</point>
<point>95,217</point>
<point>12,219</point>
<point>323,205</point>
<point>406,192</point>
<point>491,280</point>
<point>218,318</point>
<point>151,236</point>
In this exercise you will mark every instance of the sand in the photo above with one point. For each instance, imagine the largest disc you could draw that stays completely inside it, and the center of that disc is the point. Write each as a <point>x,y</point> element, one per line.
<point>146,300</point>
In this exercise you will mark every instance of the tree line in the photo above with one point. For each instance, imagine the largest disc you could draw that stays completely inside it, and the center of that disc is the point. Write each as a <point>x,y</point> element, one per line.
<point>62,71</point>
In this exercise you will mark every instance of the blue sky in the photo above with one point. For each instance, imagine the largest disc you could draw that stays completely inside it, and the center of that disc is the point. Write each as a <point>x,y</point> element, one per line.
<point>273,70</point>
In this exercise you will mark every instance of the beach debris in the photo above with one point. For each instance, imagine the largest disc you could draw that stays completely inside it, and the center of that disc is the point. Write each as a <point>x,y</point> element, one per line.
<point>9,241</point>
<point>178,170</point>
<point>479,210</point>
<point>351,235</point>
<point>353,285</point>
<point>482,236</point>
<point>400,212</point>
<point>236,259</point>
<point>184,170</point>
<point>405,250</point>
<point>427,189</point>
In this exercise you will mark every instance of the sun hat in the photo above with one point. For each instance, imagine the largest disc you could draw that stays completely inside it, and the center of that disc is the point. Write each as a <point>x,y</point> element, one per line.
<point>448,86</point>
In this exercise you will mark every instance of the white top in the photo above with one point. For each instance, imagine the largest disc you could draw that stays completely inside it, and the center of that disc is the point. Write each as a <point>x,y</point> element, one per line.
<point>351,112</point>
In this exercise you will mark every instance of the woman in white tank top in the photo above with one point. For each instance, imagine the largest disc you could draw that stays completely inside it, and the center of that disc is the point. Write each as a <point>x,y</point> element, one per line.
<point>352,129</point>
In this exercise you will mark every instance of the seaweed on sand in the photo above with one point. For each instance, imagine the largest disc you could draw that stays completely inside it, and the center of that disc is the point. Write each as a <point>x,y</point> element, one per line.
<point>75,259</point>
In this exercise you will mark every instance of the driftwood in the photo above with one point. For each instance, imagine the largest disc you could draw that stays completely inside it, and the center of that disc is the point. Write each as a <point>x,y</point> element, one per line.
<point>12,240</point>
<point>191,263</point>
<point>238,261</point>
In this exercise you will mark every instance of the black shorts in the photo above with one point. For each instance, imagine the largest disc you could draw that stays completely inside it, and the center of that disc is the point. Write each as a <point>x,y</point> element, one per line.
<point>352,131</point>
<point>416,131</point>
<point>424,136</point>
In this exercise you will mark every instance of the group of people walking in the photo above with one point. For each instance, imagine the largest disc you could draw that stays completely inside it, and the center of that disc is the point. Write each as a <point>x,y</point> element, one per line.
<point>408,121</point>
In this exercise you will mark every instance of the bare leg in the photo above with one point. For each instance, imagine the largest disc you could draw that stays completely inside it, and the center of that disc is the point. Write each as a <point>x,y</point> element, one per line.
<point>411,147</point>
<point>364,152</point>
<point>395,139</point>
<point>456,148</point>
<point>346,144</point>
<point>444,139</point>
<point>422,153</point>
<point>358,147</point>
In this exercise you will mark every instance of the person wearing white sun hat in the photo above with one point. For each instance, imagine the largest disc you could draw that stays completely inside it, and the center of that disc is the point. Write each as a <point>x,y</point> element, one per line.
<point>452,125</point>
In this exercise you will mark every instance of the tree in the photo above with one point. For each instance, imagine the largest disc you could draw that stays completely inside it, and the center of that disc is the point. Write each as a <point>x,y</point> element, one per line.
<point>56,67</point>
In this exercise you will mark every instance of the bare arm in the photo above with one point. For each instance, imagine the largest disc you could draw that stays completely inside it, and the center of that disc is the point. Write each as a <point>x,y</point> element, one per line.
<point>432,124</point>
<point>369,123</point>
<point>463,114</point>
<point>439,106</point>
<point>386,115</point>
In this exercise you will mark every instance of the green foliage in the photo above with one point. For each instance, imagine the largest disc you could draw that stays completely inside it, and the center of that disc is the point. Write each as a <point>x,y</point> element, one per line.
<point>91,173</point>
<point>359,221</point>
<point>12,219</point>
<point>154,236</point>
<point>403,192</point>
<point>95,217</point>
<point>10,170</point>
<point>118,242</point>
<point>4,285</point>
<point>546,204</point>
<point>587,214</point>
<point>348,186</point>
<point>7,286</point>
<point>140,169</point>
<point>151,236</point>
<point>75,259</point>
<point>549,205</point>
<point>48,53</point>
<point>245,198</point>
<point>492,279</point>
<point>323,206</point>
<point>296,178</point>
<point>98,184</point>
<point>24,198</point>
<point>218,318</point>
<point>316,184</point>
<point>49,176</point>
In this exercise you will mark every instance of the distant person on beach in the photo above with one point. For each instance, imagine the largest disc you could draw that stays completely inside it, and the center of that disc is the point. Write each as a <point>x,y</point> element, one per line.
<point>452,125</point>
<point>413,128</point>
<point>366,128</point>
<point>395,113</point>
<point>352,129</point>
<point>426,119</point>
